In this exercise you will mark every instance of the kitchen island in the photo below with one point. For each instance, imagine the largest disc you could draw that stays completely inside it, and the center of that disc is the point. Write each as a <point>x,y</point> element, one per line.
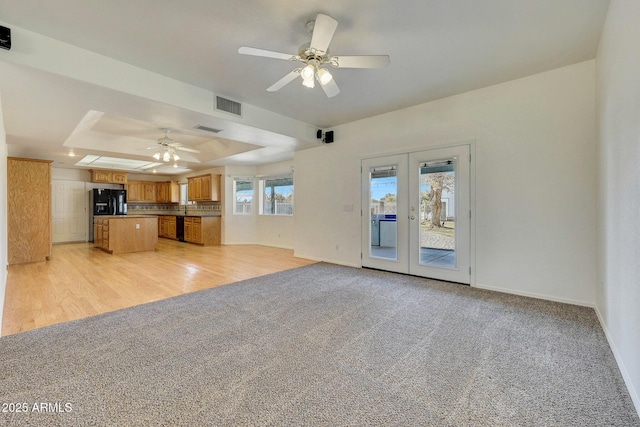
<point>118,234</point>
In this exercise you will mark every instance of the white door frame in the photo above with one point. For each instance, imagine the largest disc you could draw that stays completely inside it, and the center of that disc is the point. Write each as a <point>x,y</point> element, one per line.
<point>403,212</point>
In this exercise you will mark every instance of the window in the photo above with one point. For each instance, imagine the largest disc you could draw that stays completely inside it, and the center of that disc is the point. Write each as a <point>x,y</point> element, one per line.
<point>184,193</point>
<point>242,196</point>
<point>276,195</point>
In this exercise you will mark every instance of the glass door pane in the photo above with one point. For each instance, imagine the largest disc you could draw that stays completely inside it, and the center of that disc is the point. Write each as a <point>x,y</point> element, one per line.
<point>383,211</point>
<point>437,213</point>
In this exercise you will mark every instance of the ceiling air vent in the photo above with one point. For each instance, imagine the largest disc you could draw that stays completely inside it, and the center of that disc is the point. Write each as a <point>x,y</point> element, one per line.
<point>207,129</point>
<point>228,106</point>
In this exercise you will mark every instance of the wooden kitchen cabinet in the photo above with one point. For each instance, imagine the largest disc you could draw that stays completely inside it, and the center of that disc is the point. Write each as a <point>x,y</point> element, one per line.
<point>153,192</point>
<point>148,191</point>
<point>202,230</point>
<point>97,232</point>
<point>171,228</point>
<point>167,192</point>
<point>141,191</point>
<point>204,188</point>
<point>162,226</point>
<point>119,178</point>
<point>123,234</point>
<point>28,210</point>
<point>108,177</point>
<point>101,233</point>
<point>167,226</point>
<point>105,235</point>
<point>134,190</point>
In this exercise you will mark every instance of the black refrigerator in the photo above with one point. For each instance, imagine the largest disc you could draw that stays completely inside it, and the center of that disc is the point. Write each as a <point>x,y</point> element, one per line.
<point>106,202</point>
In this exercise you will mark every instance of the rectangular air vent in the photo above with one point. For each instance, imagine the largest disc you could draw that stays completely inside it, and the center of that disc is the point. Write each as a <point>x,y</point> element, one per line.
<point>228,106</point>
<point>207,129</point>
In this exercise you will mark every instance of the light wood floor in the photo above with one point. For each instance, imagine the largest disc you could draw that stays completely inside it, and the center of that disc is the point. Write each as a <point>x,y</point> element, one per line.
<point>80,281</point>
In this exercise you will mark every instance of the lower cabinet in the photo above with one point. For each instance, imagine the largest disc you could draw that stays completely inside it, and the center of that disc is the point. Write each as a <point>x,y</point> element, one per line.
<point>101,233</point>
<point>202,230</point>
<point>167,227</point>
<point>171,228</point>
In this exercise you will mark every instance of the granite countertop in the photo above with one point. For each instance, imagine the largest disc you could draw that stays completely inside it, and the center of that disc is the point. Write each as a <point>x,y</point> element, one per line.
<point>181,213</point>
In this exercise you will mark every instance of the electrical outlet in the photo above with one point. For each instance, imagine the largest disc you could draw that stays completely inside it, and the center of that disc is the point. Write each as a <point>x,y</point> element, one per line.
<point>137,226</point>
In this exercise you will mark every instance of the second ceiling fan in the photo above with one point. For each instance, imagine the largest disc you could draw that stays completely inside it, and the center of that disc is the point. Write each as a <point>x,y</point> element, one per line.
<point>315,56</point>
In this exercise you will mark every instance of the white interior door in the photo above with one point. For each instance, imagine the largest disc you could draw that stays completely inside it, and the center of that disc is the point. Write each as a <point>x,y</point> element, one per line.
<point>69,211</point>
<point>416,213</point>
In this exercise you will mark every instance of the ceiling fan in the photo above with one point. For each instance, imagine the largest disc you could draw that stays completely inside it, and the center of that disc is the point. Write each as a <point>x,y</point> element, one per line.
<point>167,147</point>
<point>315,55</point>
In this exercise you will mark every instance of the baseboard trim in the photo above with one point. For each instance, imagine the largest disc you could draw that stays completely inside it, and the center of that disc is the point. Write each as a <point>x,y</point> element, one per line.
<point>535,295</point>
<point>327,260</point>
<point>635,398</point>
<point>255,244</point>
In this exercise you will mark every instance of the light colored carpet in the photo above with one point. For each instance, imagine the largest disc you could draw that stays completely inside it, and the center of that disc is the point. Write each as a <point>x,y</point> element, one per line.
<point>321,345</point>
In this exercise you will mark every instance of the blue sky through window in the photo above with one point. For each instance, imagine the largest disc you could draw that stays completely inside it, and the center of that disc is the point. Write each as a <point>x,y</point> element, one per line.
<point>380,187</point>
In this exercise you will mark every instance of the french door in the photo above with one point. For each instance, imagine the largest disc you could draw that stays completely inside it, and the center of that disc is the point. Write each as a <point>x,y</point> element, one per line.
<point>416,213</point>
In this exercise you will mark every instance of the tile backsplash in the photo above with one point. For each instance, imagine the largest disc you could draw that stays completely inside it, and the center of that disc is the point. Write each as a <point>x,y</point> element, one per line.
<point>160,208</point>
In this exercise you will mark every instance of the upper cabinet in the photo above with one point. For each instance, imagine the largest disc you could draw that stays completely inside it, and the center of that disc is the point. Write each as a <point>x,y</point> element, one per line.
<point>204,188</point>
<point>108,177</point>
<point>153,192</point>
<point>167,192</point>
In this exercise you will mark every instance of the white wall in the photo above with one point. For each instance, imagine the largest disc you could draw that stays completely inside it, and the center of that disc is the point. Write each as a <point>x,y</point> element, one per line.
<point>239,229</point>
<point>618,94</point>
<point>256,229</point>
<point>4,256</point>
<point>535,180</point>
<point>276,230</point>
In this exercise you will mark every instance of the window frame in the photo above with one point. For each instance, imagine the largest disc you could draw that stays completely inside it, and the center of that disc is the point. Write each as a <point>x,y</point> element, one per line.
<point>262,185</point>
<point>235,179</point>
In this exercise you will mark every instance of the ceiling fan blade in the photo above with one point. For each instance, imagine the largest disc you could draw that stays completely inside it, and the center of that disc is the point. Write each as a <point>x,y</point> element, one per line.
<point>330,88</point>
<point>285,80</point>
<point>245,50</point>
<point>323,30</point>
<point>188,150</point>
<point>360,61</point>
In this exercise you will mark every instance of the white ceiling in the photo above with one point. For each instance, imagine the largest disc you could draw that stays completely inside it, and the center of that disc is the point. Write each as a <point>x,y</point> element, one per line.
<point>438,48</point>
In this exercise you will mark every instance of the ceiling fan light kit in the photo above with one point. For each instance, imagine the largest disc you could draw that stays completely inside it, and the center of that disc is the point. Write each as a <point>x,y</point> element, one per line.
<point>167,149</point>
<point>324,76</point>
<point>314,55</point>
